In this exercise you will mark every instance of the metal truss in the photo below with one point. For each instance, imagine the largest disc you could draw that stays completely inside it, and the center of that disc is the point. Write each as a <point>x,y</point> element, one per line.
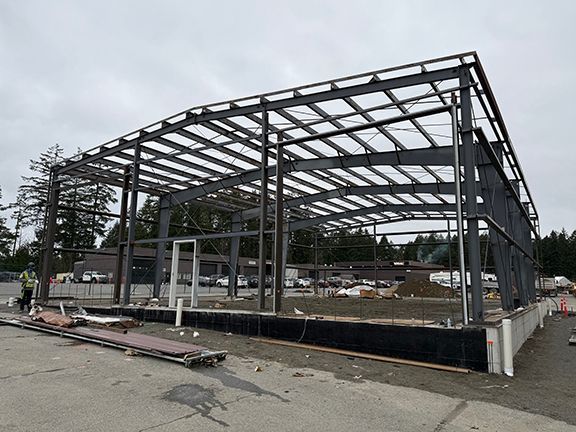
<point>365,149</point>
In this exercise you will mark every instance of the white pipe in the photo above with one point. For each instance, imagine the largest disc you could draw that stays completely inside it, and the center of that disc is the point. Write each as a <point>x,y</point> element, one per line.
<point>195,276</point>
<point>179,312</point>
<point>549,306</point>
<point>541,314</point>
<point>174,274</point>
<point>507,347</point>
<point>459,216</point>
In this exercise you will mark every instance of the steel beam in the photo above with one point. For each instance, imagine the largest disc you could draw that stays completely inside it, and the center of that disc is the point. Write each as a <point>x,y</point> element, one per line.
<point>438,156</point>
<point>207,115</point>
<point>529,247</point>
<point>300,224</point>
<point>518,261</point>
<point>264,173</point>
<point>494,197</point>
<point>369,125</point>
<point>497,164</point>
<point>163,230</point>
<point>469,156</point>
<point>46,270</point>
<point>279,229</point>
<point>121,234</point>
<point>202,237</point>
<point>132,224</point>
<point>393,189</point>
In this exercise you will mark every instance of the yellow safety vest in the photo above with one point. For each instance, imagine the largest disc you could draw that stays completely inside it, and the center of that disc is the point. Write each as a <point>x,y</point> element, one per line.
<point>29,281</point>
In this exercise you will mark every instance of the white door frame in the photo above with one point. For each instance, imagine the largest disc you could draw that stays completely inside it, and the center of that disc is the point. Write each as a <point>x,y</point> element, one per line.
<point>174,273</point>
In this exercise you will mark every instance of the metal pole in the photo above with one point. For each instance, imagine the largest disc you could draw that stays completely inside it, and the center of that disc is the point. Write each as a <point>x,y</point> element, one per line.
<point>263,213</point>
<point>450,256</point>
<point>316,275</point>
<point>375,260</point>
<point>132,223</point>
<point>459,218</point>
<point>279,227</point>
<point>121,235</point>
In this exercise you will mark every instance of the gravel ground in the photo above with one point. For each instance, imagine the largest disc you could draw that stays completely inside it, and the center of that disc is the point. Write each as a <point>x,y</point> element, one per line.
<point>420,309</point>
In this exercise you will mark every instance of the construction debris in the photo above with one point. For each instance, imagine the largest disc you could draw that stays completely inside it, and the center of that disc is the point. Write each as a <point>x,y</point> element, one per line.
<point>572,340</point>
<point>423,288</point>
<point>53,318</point>
<point>302,375</point>
<point>362,291</point>
<point>186,354</point>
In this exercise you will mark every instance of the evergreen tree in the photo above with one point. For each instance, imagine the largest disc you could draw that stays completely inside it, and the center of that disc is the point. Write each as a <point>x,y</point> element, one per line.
<point>74,229</point>
<point>33,193</point>
<point>110,239</point>
<point>6,236</point>
<point>386,250</point>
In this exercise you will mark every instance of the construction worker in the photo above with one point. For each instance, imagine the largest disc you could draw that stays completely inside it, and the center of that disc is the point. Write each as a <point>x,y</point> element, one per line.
<point>28,281</point>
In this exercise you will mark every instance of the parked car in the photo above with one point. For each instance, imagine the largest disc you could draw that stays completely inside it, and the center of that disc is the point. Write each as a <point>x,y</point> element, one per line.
<point>213,278</point>
<point>303,282</point>
<point>94,277</point>
<point>334,281</point>
<point>224,281</point>
<point>252,281</point>
<point>202,281</point>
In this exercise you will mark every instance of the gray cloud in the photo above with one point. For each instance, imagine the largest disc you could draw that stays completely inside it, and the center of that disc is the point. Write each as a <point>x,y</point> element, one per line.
<point>81,73</point>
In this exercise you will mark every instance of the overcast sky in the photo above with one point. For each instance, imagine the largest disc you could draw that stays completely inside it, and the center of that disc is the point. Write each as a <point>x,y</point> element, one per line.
<point>80,73</point>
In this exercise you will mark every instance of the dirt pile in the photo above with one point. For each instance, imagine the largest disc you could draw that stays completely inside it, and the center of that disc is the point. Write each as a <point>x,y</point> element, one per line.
<point>423,288</point>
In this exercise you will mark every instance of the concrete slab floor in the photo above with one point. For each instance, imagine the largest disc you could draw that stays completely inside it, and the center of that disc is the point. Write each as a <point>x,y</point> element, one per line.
<point>52,383</point>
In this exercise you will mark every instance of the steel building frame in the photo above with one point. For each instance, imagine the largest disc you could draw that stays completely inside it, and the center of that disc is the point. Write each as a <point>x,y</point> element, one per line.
<point>372,148</point>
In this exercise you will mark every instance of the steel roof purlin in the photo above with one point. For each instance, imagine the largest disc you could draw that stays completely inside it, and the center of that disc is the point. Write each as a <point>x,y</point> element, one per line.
<point>352,133</point>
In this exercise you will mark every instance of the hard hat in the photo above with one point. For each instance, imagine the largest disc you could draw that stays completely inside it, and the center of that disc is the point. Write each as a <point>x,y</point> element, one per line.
<point>30,264</point>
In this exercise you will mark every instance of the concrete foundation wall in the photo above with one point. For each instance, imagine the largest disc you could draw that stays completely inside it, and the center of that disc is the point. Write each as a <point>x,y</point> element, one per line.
<point>464,348</point>
<point>523,325</point>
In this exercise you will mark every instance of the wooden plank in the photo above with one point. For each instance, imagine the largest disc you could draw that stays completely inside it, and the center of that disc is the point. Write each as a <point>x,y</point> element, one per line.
<point>363,355</point>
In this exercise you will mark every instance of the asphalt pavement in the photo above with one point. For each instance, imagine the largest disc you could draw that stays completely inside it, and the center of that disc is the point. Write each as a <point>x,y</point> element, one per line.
<point>68,385</point>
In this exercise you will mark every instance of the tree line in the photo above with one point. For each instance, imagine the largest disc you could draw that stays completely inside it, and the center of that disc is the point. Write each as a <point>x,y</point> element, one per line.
<point>81,230</point>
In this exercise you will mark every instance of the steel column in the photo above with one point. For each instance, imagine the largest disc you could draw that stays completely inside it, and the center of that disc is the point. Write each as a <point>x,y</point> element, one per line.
<point>121,234</point>
<point>494,196</point>
<point>263,213</point>
<point>518,261</point>
<point>132,223</point>
<point>163,230</point>
<point>46,270</point>
<point>529,247</point>
<point>468,153</point>
<point>279,228</point>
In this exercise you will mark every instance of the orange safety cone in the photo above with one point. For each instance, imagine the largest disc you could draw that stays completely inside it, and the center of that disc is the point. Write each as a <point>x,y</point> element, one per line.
<point>564,306</point>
